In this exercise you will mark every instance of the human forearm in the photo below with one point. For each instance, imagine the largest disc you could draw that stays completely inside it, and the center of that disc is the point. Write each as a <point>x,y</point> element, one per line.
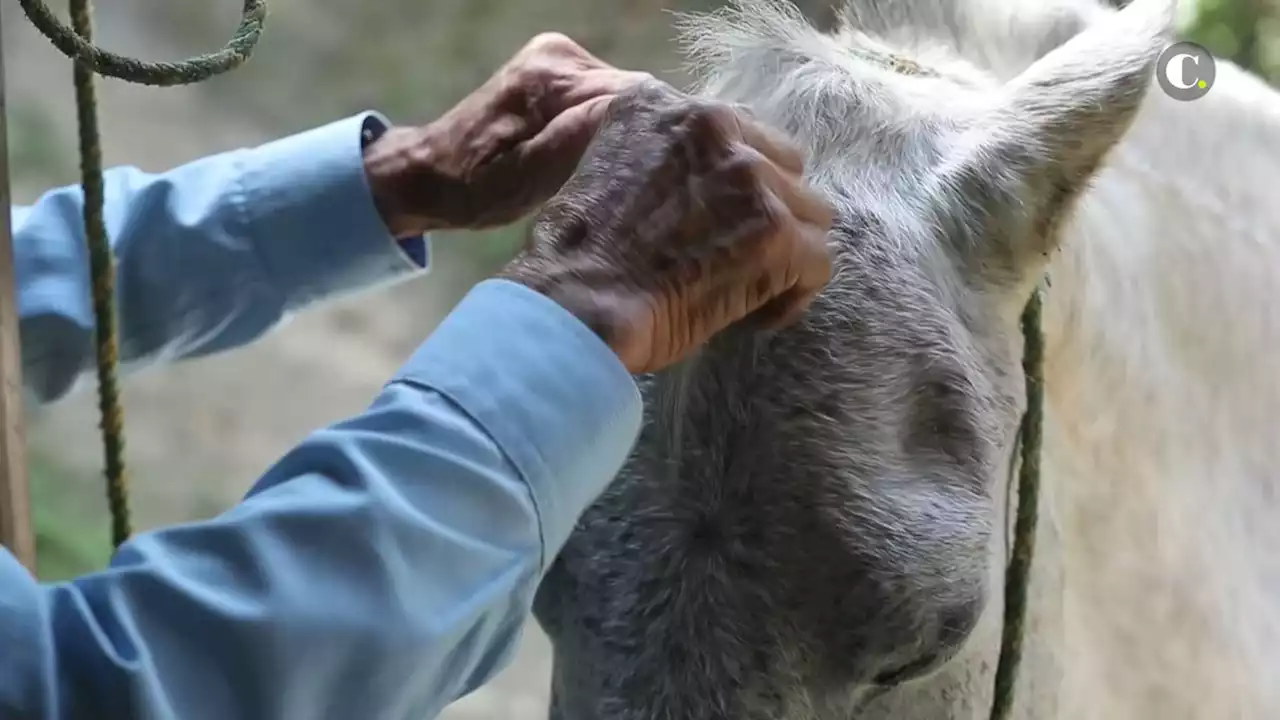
<point>380,570</point>
<point>209,255</point>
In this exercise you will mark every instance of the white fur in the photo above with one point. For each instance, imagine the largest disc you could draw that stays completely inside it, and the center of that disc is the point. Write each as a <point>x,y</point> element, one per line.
<point>1163,445</point>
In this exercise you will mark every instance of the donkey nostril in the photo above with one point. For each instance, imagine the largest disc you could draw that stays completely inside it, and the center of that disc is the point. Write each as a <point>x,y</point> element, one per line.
<point>910,671</point>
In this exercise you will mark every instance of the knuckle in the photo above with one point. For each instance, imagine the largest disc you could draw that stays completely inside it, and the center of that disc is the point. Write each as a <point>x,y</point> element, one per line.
<point>697,127</point>
<point>530,72</point>
<point>647,91</point>
<point>639,77</point>
<point>744,111</point>
<point>773,220</point>
<point>747,161</point>
<point>550,42</point>
<point>776,253</point>
<point>707,118</point>
<point>722,114</point>
<point>791,149</point>
<point>635,83</point>
<point>751,221</point>
<point>740,174</point>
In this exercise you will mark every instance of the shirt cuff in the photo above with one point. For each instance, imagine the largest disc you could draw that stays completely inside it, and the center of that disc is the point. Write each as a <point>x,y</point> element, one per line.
<point>548,391</point>
<point>417,248</point>
<point>311,217</point>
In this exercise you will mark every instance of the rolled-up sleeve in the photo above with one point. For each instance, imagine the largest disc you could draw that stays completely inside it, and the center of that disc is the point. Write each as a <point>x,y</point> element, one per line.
<point>209,255</point>
<point>380,570</point>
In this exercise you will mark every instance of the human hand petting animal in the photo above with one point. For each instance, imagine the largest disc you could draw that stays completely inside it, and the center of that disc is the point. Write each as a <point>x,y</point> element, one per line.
<point>504,149</point>
<point>684,217</point>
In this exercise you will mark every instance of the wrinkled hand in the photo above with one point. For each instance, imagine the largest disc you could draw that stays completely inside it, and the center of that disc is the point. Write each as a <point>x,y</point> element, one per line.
<point>504,149</point>
<point>683,218</point>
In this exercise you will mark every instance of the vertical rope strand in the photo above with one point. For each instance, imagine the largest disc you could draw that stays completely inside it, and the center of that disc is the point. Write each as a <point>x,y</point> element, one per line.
<point>1018,574</point>
<point>76,42</point>
<point>102,271</point>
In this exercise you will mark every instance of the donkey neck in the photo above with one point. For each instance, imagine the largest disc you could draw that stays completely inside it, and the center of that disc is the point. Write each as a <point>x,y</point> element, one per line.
<point>1164,399</point>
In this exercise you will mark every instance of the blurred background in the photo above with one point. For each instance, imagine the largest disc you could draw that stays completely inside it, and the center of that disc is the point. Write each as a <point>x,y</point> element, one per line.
<point>200,433</point>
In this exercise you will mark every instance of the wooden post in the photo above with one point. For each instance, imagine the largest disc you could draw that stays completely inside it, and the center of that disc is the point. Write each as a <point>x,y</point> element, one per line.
<point>15,501</point>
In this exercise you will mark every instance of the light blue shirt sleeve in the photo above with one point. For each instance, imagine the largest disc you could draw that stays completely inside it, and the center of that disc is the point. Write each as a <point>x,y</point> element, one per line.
<point>209,255</point>
<point>380,570</point>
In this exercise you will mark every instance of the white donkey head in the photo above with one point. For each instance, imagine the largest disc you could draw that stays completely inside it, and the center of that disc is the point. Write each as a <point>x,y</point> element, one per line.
<point>809,517</point>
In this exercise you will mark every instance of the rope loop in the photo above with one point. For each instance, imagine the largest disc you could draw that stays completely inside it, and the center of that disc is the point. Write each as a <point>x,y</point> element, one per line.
<point>185,72</point>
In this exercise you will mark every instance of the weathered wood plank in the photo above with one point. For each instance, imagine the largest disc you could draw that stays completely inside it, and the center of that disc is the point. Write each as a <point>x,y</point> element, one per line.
<point>15,502</point>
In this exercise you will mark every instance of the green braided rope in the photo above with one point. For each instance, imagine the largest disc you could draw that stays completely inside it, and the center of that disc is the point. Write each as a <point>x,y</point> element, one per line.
<point>1018,574</point>
<point>76,42</point>
<point>102,270</point>
<point>79,46</point>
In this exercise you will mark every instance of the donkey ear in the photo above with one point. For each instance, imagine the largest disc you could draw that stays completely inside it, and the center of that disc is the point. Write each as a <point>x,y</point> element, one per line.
<point>1023,165</point>
<point>1072,105</point>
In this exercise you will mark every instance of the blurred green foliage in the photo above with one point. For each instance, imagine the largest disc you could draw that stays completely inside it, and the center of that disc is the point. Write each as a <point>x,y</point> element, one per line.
<point>38,153</point>
<point>71,534</point>
<point>1244,31</point>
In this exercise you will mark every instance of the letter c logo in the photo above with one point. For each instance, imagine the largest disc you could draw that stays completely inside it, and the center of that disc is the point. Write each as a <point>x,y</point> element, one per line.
<point>1175,68</point>
<point>1185,71</point>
